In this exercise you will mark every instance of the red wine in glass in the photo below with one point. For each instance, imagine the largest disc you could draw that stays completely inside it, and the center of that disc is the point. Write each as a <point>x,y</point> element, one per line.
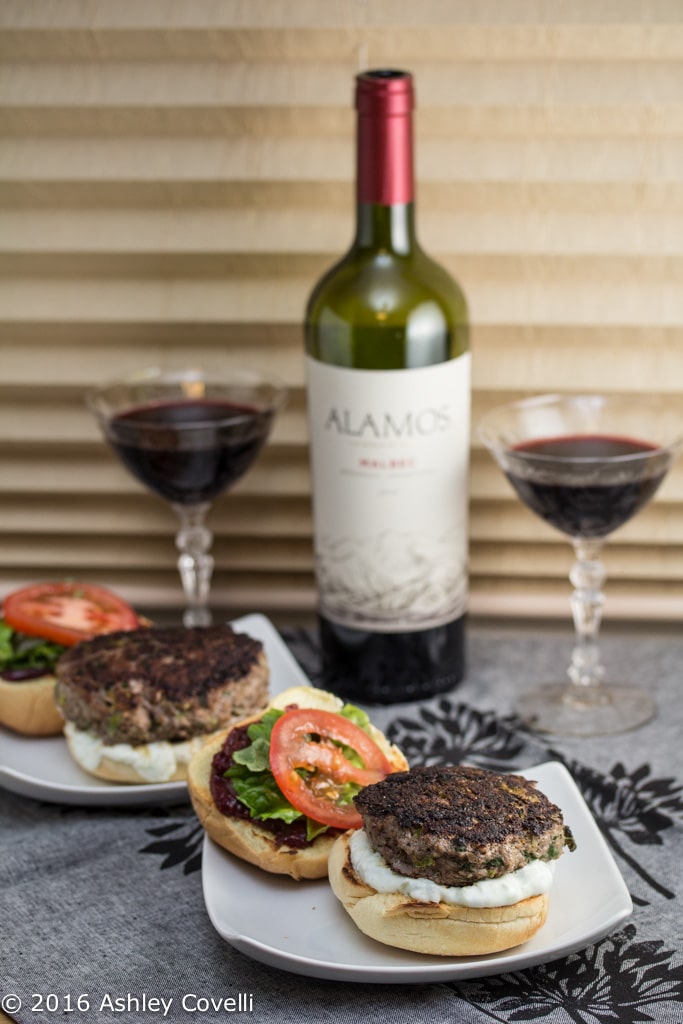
<point>585,464</point>
<point>585,498</point>
<point>189,450</point>
<point>188,436</point>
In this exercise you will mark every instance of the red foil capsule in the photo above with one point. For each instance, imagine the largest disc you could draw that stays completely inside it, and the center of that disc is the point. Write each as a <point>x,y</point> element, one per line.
<point>384,102</point>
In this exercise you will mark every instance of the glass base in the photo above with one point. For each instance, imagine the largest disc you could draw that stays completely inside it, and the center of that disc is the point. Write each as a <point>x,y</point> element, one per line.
<point>604,711</point>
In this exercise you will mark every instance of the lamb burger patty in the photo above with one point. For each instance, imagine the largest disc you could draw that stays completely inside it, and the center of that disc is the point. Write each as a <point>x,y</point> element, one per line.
<point>171,684</point>
<point>458,825</point>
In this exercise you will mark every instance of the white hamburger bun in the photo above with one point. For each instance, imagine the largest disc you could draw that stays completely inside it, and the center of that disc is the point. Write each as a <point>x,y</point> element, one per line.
<point>28,706</point>
<point>245,838</point>
<point>437,928</point>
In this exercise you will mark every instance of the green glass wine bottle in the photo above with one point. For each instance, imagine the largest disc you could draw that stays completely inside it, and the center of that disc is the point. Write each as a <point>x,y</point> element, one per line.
<point>388,384</point>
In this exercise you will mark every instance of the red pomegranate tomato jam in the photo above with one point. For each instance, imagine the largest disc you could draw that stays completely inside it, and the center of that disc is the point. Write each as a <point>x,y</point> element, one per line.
<point>225,798</point>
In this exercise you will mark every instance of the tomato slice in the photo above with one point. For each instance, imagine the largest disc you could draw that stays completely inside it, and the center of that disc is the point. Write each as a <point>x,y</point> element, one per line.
<point>305,738</point>
<point>67,612</point>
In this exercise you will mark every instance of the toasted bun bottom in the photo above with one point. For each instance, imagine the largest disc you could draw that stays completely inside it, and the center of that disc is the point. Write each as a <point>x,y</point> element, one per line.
<point>29,707</point>
<point>437,928</point>
<point>246,839</point>
<point>161,761</point>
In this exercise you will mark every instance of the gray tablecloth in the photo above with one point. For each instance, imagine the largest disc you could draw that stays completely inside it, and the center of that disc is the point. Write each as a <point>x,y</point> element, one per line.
<point>106,904</point>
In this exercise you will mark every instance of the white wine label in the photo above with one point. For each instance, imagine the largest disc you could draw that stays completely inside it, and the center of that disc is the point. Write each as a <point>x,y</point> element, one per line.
<point>389,457</point>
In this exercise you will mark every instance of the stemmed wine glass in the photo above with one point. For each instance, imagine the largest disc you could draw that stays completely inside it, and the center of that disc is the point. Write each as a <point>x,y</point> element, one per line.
<point>188,436</point>
<point>585,464</point>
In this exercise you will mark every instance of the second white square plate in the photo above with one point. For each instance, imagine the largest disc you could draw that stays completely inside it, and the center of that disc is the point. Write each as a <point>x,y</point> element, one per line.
<point>301,927</point>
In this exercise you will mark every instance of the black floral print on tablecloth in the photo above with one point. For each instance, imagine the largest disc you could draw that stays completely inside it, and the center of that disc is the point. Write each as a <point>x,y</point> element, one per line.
<point>618,981</point>
<point>446,733</point>
<point>634,810</point>
<point>178,843</point>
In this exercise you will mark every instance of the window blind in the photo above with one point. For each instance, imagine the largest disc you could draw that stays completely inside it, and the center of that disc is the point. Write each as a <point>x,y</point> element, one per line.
<point>174,176</point>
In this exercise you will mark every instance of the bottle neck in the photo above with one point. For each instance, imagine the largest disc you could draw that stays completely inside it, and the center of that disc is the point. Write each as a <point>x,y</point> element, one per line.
<point>389,228</point>
<point>384,154</point>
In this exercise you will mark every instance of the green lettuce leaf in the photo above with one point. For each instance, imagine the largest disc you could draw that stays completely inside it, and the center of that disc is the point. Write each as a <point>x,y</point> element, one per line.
<point>252,779</point>
<point>20,651</point>
<point>255,785</point>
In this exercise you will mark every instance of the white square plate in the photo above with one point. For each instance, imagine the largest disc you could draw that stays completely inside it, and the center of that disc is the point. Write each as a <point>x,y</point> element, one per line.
<point>42,768</point>
<point>301,927</point>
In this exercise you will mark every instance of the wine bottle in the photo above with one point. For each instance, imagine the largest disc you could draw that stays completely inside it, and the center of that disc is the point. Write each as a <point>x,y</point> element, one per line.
<point>388,382</point>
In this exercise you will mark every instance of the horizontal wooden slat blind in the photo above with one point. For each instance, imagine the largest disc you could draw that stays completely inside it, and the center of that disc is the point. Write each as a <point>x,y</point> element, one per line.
<point>174,175</point>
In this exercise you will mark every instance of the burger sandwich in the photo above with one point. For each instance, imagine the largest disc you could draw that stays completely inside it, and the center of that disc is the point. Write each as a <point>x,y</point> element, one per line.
<point>451,860</point>
<point>277,789</point>
<point>38,624</point>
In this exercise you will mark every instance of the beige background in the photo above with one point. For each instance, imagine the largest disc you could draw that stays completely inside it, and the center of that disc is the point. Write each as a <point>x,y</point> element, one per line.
<point>175,175</point>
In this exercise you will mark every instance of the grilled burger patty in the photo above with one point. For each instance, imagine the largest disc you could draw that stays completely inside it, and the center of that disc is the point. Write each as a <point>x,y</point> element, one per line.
<point>146,685</point>
<point>457,825</point>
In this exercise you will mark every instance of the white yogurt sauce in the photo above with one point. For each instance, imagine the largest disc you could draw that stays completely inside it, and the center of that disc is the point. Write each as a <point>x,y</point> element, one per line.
<point>532,880</point>
<point>154,762</point>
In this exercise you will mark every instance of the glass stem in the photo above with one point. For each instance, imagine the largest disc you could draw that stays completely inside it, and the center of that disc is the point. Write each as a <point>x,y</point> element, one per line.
<point>587,577</point>
<point>195,563</point>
